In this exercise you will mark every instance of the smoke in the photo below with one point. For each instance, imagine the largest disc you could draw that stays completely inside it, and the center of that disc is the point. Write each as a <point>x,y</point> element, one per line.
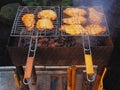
<point>105,3</point>
<point>110,8</point>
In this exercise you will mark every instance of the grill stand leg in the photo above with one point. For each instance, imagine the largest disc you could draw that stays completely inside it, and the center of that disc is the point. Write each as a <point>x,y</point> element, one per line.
<point>20,71</point>
<point>34,76</point>
<point>91,85</point>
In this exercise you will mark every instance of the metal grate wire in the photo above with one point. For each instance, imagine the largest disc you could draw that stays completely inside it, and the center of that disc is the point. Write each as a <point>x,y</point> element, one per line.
<point>97,8</point>
<point>18,29</point>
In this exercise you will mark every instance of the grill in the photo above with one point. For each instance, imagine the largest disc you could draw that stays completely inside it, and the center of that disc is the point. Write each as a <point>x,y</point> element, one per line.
<point>56,48</point>
<point>98,8</point>
<point>19,29</point>
<point>64,53</point>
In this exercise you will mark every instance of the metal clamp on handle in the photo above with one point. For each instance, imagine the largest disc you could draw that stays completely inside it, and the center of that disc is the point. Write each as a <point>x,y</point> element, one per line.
<point>27,81</point>
<point>32,46</point>
<point>91,78</point>
<point>88,59</point>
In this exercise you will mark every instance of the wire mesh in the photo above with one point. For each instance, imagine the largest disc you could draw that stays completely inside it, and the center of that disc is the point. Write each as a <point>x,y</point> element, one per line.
<point>92,29</point>
<point>18,28</point>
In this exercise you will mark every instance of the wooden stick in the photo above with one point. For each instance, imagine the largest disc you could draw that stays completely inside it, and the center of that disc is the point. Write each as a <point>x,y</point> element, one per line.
<point>34,76</point>
<point>29,67</point>
<point>100,87</point>
<point>69,74</point>
<point>96,82</point>
<point>73,77</point>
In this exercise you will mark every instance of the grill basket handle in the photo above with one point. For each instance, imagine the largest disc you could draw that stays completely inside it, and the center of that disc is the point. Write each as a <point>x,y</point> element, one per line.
<point>89,64</point>
<point>28,70</point>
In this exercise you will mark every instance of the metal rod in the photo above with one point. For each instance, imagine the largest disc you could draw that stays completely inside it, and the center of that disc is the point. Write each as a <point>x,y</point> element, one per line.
<point>32,47</point>
<point>12,68</point>
<point>34,76</point>
<point>86,44</point>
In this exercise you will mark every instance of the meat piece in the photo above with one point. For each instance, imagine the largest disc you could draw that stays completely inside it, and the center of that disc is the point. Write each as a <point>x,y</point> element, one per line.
<point>74,20</point>
<point>74,12</point>
<point>95,16</point>
<point>95,29</point>
<point>29,21</point>
<point>44,24</point>
<point>49,14</point>
<point>72,29</point>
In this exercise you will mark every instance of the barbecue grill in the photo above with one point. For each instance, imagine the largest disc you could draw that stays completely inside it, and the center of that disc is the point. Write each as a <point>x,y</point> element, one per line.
<point>56,48</point>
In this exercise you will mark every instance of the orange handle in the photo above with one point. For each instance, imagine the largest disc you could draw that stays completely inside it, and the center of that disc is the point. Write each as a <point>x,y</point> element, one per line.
<point>29,66</point>
<point>89,64</point>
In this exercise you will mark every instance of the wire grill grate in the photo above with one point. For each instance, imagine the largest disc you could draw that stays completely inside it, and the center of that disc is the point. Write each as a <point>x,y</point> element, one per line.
<point>97,8</point>
<point>19,29</point>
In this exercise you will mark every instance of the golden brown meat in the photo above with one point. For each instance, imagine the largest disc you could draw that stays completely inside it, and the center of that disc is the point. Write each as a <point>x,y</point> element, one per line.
<point>49,14</point>
<point>44,24</point>
<point>74,20</point>
<point>72,29</point>
<point>29,21</point>
<point>95,29</point>
<point>74,12</point>
<point>95,16</point>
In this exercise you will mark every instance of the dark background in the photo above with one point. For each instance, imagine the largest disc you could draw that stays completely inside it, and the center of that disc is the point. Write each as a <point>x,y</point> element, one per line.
<point>112,77</point>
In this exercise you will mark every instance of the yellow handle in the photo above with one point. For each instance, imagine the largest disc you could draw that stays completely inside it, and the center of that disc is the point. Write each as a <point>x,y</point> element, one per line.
<point>89,64</point>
